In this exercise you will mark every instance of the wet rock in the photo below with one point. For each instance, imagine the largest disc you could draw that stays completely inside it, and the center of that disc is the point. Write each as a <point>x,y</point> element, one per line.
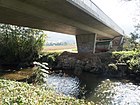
<point>87,62</point>
<point>93,70</point>
<point>77,70</point>
<point>88,67</point>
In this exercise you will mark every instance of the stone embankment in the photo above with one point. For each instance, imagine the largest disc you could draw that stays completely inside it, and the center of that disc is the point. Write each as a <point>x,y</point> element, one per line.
<point>108,64</point>
<point>98,63</point>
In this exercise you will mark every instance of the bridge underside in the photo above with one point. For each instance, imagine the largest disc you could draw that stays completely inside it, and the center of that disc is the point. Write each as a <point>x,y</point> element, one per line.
<point>54,15</point>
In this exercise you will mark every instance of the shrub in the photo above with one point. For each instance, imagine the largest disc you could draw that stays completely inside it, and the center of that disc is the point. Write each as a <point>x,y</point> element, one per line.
<point>50,58</point>
<point>134,64</point>
<point>131,58</point>
<point>19,44</point>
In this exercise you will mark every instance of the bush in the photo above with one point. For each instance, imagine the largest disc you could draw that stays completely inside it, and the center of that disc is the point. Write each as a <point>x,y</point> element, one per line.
<point>50,58</point>
<point>131,58</point>
<point>134,64</point>
<point>19,44</point>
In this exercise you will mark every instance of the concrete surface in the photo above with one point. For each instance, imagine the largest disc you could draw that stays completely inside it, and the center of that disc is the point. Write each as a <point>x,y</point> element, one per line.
<point>77,17</point>
<point>86,43</point>
<point>65,16</point>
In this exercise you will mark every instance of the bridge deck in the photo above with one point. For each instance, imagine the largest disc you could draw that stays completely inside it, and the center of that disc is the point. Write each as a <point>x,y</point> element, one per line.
<point>65,16</point>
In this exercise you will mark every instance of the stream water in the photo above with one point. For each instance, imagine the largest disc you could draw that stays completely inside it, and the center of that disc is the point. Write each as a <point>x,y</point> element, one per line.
<point>101,90</point>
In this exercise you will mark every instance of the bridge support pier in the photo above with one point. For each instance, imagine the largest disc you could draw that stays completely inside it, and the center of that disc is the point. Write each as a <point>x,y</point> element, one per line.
<point>86,43</point>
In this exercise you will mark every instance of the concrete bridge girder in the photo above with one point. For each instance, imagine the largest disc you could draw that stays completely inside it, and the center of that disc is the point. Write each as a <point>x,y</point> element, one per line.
<point>66,16</point>
<point>44,19</point>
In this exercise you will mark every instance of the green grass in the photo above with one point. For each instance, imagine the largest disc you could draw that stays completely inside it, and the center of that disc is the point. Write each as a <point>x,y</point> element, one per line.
<point>18,93</point>
<point>127,53</point>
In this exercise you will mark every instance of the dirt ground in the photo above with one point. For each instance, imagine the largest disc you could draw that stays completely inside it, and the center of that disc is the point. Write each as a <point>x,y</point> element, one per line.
<point>19,75</point>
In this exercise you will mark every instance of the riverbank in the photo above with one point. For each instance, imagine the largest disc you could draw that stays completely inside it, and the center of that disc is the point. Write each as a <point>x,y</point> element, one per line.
<point>115,65</point>
<point>110,64</point>
<point>12,92</point>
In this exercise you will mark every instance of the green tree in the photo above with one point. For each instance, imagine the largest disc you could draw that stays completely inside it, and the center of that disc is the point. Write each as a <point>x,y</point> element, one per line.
<point>134,38</point>
<point>132,42</point>
<point>19,45</point>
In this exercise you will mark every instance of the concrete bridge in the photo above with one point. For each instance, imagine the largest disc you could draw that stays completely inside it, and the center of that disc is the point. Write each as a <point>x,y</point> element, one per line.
<point>77,17</point>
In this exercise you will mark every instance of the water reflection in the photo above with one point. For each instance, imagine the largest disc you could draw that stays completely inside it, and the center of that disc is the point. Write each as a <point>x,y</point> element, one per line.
<point>89,86</point>
<point>116,93</point>
<point>100,90</point>
<point>64,84</point>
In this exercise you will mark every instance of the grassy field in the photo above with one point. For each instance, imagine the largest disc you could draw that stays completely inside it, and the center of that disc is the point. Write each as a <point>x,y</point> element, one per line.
<point>70,48</point>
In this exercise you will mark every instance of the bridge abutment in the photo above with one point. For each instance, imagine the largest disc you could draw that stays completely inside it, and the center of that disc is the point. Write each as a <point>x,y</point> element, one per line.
<point>86,43</point>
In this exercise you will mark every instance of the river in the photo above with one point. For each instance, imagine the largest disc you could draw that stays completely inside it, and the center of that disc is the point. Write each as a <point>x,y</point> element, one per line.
<point>101,90</point>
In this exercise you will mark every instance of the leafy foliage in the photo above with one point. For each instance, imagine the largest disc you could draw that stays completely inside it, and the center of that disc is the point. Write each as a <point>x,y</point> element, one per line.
<point>131,58</point>
<point>50,58</point>
<point>134,64</point>
<point>15,93</point>
<point>19,44</point>
<point>132,43</point>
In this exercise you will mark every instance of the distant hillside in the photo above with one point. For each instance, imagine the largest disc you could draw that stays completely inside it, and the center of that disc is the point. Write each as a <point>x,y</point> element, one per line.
<point>58,37</point>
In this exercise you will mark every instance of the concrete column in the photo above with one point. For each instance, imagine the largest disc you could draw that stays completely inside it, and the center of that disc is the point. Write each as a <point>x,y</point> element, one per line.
<point>86,43</point>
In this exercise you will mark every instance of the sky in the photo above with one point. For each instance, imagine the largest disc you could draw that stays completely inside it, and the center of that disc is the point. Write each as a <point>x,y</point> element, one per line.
<point>122,13</point>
